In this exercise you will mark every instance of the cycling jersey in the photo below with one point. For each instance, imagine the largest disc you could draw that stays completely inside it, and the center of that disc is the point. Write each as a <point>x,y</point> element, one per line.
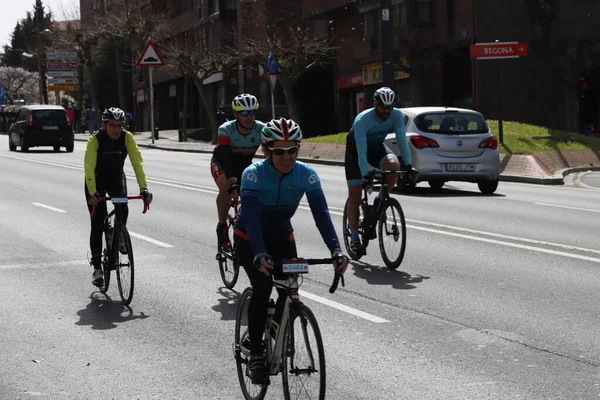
<point>269,201</point>
<point>369,132</point>
<point>106,157</point>
<point>235,151</point>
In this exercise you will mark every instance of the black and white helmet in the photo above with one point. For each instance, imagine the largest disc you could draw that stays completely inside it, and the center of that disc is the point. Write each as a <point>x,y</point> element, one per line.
<point>113,114</point>
<point>244,102</point>
<point>384,96</point>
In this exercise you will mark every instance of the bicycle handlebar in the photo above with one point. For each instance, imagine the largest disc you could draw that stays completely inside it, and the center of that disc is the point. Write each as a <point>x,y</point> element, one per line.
<point>107,198</point>
<point>317,261</point>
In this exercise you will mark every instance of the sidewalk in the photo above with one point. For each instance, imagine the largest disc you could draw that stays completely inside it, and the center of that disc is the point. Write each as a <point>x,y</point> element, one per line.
<point>547,168</point>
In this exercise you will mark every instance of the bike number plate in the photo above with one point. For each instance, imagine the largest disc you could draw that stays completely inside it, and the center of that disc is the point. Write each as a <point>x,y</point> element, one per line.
<point>117,200</point>
<point>295,267</point>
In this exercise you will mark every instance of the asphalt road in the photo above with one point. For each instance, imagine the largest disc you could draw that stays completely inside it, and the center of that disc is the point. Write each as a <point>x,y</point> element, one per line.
<point>497,296</point>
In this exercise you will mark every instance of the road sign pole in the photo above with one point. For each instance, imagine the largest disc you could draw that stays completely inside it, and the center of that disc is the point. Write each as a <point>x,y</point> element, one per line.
<point>498,89</point>
<point>151,104</point>
<point>273,103</point>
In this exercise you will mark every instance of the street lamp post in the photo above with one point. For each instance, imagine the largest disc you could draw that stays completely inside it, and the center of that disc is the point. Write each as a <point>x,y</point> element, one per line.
<point>387,44</point>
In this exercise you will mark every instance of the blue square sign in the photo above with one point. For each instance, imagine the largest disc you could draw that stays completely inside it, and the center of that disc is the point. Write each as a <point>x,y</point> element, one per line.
<point>2,94</point>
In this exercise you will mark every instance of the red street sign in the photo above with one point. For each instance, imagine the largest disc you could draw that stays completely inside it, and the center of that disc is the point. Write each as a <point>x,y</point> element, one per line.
<point>498,50</point>
<point>351,80</point>
<point>272,80</point>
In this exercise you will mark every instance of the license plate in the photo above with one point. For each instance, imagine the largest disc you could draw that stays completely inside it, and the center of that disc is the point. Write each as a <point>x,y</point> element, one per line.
<point>460,167</point>
<point>295,267</point>
<point>50,128</point>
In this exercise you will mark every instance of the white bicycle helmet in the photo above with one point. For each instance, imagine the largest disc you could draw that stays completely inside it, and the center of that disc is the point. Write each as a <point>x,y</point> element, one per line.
<point>113,114</point>
<point>384,96</point>
<point>244,102</point>
<point>281,129</point>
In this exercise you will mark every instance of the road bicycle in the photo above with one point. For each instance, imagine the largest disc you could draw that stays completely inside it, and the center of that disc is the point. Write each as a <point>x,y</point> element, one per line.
<point>228,263</point>
<point>293,341</point>
<point>117,251</point>
<point>383,220</point>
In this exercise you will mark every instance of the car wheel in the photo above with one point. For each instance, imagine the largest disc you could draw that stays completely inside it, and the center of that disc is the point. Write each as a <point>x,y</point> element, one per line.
<point>69,148</point>
<point>488,187</point>
<point>11,146</point>
<point>436,184</point>
<point>56,148</point>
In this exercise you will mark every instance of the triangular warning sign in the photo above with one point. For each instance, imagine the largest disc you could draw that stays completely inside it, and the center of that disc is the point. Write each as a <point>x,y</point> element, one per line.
<point>150,57</point>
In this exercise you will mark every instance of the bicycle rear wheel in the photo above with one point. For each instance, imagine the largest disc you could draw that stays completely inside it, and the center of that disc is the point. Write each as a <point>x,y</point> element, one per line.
<point>303,366</point>
<point>242,352</point>
<point>124,265</point>
<point>348,233</point>
<point>392,233</point>
<point>229,268</point>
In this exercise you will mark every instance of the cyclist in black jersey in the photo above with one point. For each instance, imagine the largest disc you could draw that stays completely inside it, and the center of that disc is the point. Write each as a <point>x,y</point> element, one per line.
<point>104,159</point>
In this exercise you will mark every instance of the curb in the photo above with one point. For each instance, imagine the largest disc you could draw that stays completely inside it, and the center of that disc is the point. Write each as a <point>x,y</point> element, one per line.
<point>556,179</point>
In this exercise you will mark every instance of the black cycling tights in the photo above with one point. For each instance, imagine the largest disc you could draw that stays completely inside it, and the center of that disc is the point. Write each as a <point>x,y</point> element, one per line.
<point>282,247</point>
<point>115,185</point>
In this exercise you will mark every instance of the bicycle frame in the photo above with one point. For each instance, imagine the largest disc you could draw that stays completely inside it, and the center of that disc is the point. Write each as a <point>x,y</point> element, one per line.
<point>369,223</point>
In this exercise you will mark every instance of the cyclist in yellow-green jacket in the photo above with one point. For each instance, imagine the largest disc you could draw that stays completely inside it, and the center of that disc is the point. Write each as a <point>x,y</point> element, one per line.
<point>105,156</point>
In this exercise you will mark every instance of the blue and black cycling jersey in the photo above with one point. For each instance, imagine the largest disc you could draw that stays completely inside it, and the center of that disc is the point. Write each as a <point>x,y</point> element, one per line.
<point>369,132</point>
<point>269,201</point>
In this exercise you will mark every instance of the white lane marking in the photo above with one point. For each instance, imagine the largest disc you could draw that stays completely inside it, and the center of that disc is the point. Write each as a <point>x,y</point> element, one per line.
<point>153,241</point>
<point>569,207</point>
<point>520,246</point>
<point>49,207</point>
<point>44,265</point>
<point>341,307</point>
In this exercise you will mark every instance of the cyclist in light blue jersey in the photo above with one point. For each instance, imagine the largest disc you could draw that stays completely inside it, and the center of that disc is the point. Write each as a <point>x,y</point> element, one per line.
<point>365,146</point>
<point>271,191</point>
<point>237,143</point>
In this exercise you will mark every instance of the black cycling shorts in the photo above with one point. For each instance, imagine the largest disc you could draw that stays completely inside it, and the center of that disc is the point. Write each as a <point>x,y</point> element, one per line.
<point>375,156</point>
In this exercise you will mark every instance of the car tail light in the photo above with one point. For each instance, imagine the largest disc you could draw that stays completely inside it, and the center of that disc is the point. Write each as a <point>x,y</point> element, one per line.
<point>421,142</point>
<point>489,143</point>
<point>30,118</point>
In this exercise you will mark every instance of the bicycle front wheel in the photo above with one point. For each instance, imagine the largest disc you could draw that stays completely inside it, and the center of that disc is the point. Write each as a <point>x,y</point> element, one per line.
<point>229,268</point>
<point>124,265</point>
<point>303,357</point>
<point>242,350</point>
<point>392,233</point>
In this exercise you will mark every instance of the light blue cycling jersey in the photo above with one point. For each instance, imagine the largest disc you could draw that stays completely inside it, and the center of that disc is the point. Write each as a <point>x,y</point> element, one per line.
<point>229,135</point>
<point>369,132</point>
<point>269,202</point>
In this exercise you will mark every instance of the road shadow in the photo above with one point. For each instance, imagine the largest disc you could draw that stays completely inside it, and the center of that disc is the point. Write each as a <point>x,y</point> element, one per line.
<point>382,275</point>
<point>445,191</point>
<point>227,305</point>
<point>103,313</point>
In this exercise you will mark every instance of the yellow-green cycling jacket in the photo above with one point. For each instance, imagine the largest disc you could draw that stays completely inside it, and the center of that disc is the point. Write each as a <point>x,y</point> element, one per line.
<point>106,157</point>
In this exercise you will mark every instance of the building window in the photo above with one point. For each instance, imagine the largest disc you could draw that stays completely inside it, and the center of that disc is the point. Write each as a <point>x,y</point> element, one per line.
<point>451,18</point>
<point>400,13</point>
<point>425,12</point>
<point>213,6</point>
<point>96,4</point>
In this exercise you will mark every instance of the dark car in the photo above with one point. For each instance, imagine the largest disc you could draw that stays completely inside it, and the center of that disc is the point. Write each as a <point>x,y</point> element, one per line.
<point>41,125</point>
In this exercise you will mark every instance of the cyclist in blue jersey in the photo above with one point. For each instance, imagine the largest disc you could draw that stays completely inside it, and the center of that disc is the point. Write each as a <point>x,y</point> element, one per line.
<point>271,191</point>
<point>365,146</point>
<point>238,141</point>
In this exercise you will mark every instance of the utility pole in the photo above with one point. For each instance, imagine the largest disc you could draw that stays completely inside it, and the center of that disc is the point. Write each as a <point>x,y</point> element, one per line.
<point>387,41</point>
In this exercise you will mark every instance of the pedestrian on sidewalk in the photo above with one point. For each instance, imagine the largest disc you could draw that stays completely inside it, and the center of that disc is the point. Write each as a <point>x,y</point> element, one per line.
<point>221,117</point>
<point>90,118</point>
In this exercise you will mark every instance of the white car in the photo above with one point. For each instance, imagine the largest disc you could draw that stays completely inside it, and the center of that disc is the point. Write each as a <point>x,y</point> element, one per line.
<point>450,144</point>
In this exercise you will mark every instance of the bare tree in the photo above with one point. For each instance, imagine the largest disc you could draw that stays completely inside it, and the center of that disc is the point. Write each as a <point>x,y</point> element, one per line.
<point>128,24</point>
<point>20,83</point>
<point>197,61</point>
<point>296,48</point>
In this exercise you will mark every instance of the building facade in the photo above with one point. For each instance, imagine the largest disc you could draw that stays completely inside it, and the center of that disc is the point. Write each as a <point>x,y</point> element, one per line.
<point>556,85</point>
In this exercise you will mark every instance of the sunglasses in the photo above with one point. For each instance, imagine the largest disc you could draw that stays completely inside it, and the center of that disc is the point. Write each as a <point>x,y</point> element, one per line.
<point>115,125</point>
<point>385,107</point>
<point>252,113</point>
<point>279,151</point>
